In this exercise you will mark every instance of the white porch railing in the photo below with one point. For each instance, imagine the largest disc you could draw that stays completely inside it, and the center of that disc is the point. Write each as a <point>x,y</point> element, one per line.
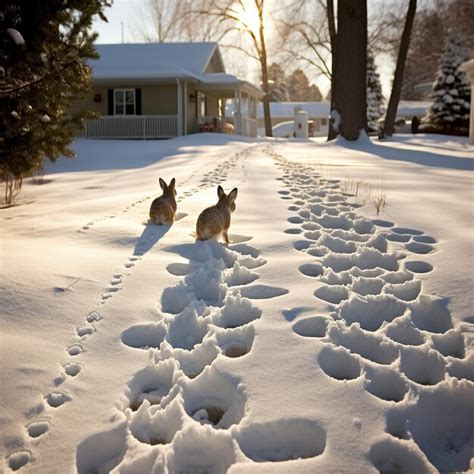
<point>137,126</point>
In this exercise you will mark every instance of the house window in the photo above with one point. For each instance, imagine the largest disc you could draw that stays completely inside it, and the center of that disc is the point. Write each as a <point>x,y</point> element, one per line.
<point>124,102</point>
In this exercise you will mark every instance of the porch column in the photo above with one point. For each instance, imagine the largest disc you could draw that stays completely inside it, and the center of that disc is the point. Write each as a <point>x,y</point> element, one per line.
<point>237,112</point>
<point>185,107</point>
<point>179,91</point>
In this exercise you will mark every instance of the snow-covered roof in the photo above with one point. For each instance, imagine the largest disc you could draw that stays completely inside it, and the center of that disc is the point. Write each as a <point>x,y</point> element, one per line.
<point>223,79</point>
<point>287,109</point>
<point>153,60</point>
<point>409,108</point>
<point>163,61</point>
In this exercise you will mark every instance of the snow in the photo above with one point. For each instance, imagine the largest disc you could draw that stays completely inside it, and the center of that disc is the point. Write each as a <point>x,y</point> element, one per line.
<point>162,60</point>
<point>324,338</point>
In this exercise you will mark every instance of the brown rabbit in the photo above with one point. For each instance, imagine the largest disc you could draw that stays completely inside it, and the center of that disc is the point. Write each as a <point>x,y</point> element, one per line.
<point>215,220</point>
<point>163,208</point>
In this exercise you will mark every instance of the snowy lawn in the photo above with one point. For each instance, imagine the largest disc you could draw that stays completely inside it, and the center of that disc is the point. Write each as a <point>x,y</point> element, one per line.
<point>323,339</point>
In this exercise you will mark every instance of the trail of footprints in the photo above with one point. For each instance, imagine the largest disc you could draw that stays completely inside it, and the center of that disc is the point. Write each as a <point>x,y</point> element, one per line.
<point>212,178</point>
<point>183,401</point>
<point>56,398</point>
<point>382,330</point>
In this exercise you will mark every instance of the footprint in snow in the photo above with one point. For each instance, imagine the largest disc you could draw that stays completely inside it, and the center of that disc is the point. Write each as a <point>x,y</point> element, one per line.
<point>56,399</point>
<point>19,459</point>
<point>37,429</point>
<point>72,369</point>
<point>258,292</point>
<point>75,350</point>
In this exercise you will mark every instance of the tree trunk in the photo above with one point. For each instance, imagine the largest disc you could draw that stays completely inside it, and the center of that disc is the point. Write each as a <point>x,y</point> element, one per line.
<point>400,69</point>
<point>263,62</point>
<point>332,132</point>
<point>351,67</point>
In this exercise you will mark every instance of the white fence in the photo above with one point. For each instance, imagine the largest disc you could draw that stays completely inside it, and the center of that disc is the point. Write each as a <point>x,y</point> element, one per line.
<point>139,126</point>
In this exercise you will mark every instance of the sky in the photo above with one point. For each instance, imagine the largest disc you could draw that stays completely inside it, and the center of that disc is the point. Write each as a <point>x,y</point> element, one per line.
<point>125,24</point>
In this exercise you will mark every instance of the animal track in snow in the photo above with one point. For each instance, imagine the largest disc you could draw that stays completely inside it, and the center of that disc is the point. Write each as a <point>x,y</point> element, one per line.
<point>385,383</point>
<point>339,363</point>
<point>37,429</point>
<point>314,326</point>
<point>424,368</point>
<point>72,369</point>
<point>392,456</point>
<point>75,350</point>
<point>56,399</point>
<point>19,459</point>
<point>418,267</point>
<point>381,324</point>
<point>282,440</point>
<point>144,336</point>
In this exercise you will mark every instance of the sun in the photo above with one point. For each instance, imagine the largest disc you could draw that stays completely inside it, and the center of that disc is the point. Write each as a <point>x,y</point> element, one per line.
<point>247,13</point>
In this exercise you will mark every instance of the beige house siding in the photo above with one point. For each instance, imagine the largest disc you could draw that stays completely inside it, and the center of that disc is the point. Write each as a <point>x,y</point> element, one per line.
<point>89,104</point>
<point>214,65</point>
<point>158,99</point>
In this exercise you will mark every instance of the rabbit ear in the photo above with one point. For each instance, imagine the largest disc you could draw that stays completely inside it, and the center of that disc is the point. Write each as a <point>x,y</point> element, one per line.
<point>220,192</point>
<point>172,183</point>
<point>162,184</point>
<point>233,194</point>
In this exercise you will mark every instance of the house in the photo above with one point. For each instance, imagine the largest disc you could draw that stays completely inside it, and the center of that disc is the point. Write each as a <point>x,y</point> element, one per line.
<point>163,90</point>
<point>318,113</point>
<point>407,109</point>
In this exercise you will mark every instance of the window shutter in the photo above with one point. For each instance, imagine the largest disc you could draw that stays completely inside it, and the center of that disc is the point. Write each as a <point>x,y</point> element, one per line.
<point>138,101</point>
<point>110,101</point>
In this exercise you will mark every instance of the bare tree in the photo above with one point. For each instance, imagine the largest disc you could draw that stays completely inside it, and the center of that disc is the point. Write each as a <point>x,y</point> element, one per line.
<point>171,20</point>
<point>332,130</point>
<point>398,78</point>
<point>245,20</point>
<point>304,35</point>
<point>241,22</point>
<point>350,81</point>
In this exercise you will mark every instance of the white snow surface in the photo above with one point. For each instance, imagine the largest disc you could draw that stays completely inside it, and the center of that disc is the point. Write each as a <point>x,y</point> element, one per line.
<point>324,338</point>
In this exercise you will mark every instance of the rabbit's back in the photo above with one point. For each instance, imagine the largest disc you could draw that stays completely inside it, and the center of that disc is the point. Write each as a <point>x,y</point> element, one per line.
<point>211,222</point>
<point>162,210</point>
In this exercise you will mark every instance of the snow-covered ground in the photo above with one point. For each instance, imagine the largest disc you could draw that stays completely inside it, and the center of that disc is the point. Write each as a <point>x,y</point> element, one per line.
<point>323,339</point>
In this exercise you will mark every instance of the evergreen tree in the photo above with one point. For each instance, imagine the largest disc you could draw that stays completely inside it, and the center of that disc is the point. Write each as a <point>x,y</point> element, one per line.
<point>300,89</point>
<point>374,96</point>
<point>44,49</point>
<point>277,84</point>
<point>451,89</point>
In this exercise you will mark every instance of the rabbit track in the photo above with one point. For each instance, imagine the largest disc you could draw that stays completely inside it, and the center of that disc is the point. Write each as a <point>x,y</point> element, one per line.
<point>209,179</point>
<point>39,416</point>
<point>380,326</point>
<point>183,399</point>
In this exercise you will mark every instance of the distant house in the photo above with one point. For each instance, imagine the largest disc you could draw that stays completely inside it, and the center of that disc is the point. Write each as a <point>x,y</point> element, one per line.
<point>280,112</point>
<point>408,109</point>
<point>162,90</point>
